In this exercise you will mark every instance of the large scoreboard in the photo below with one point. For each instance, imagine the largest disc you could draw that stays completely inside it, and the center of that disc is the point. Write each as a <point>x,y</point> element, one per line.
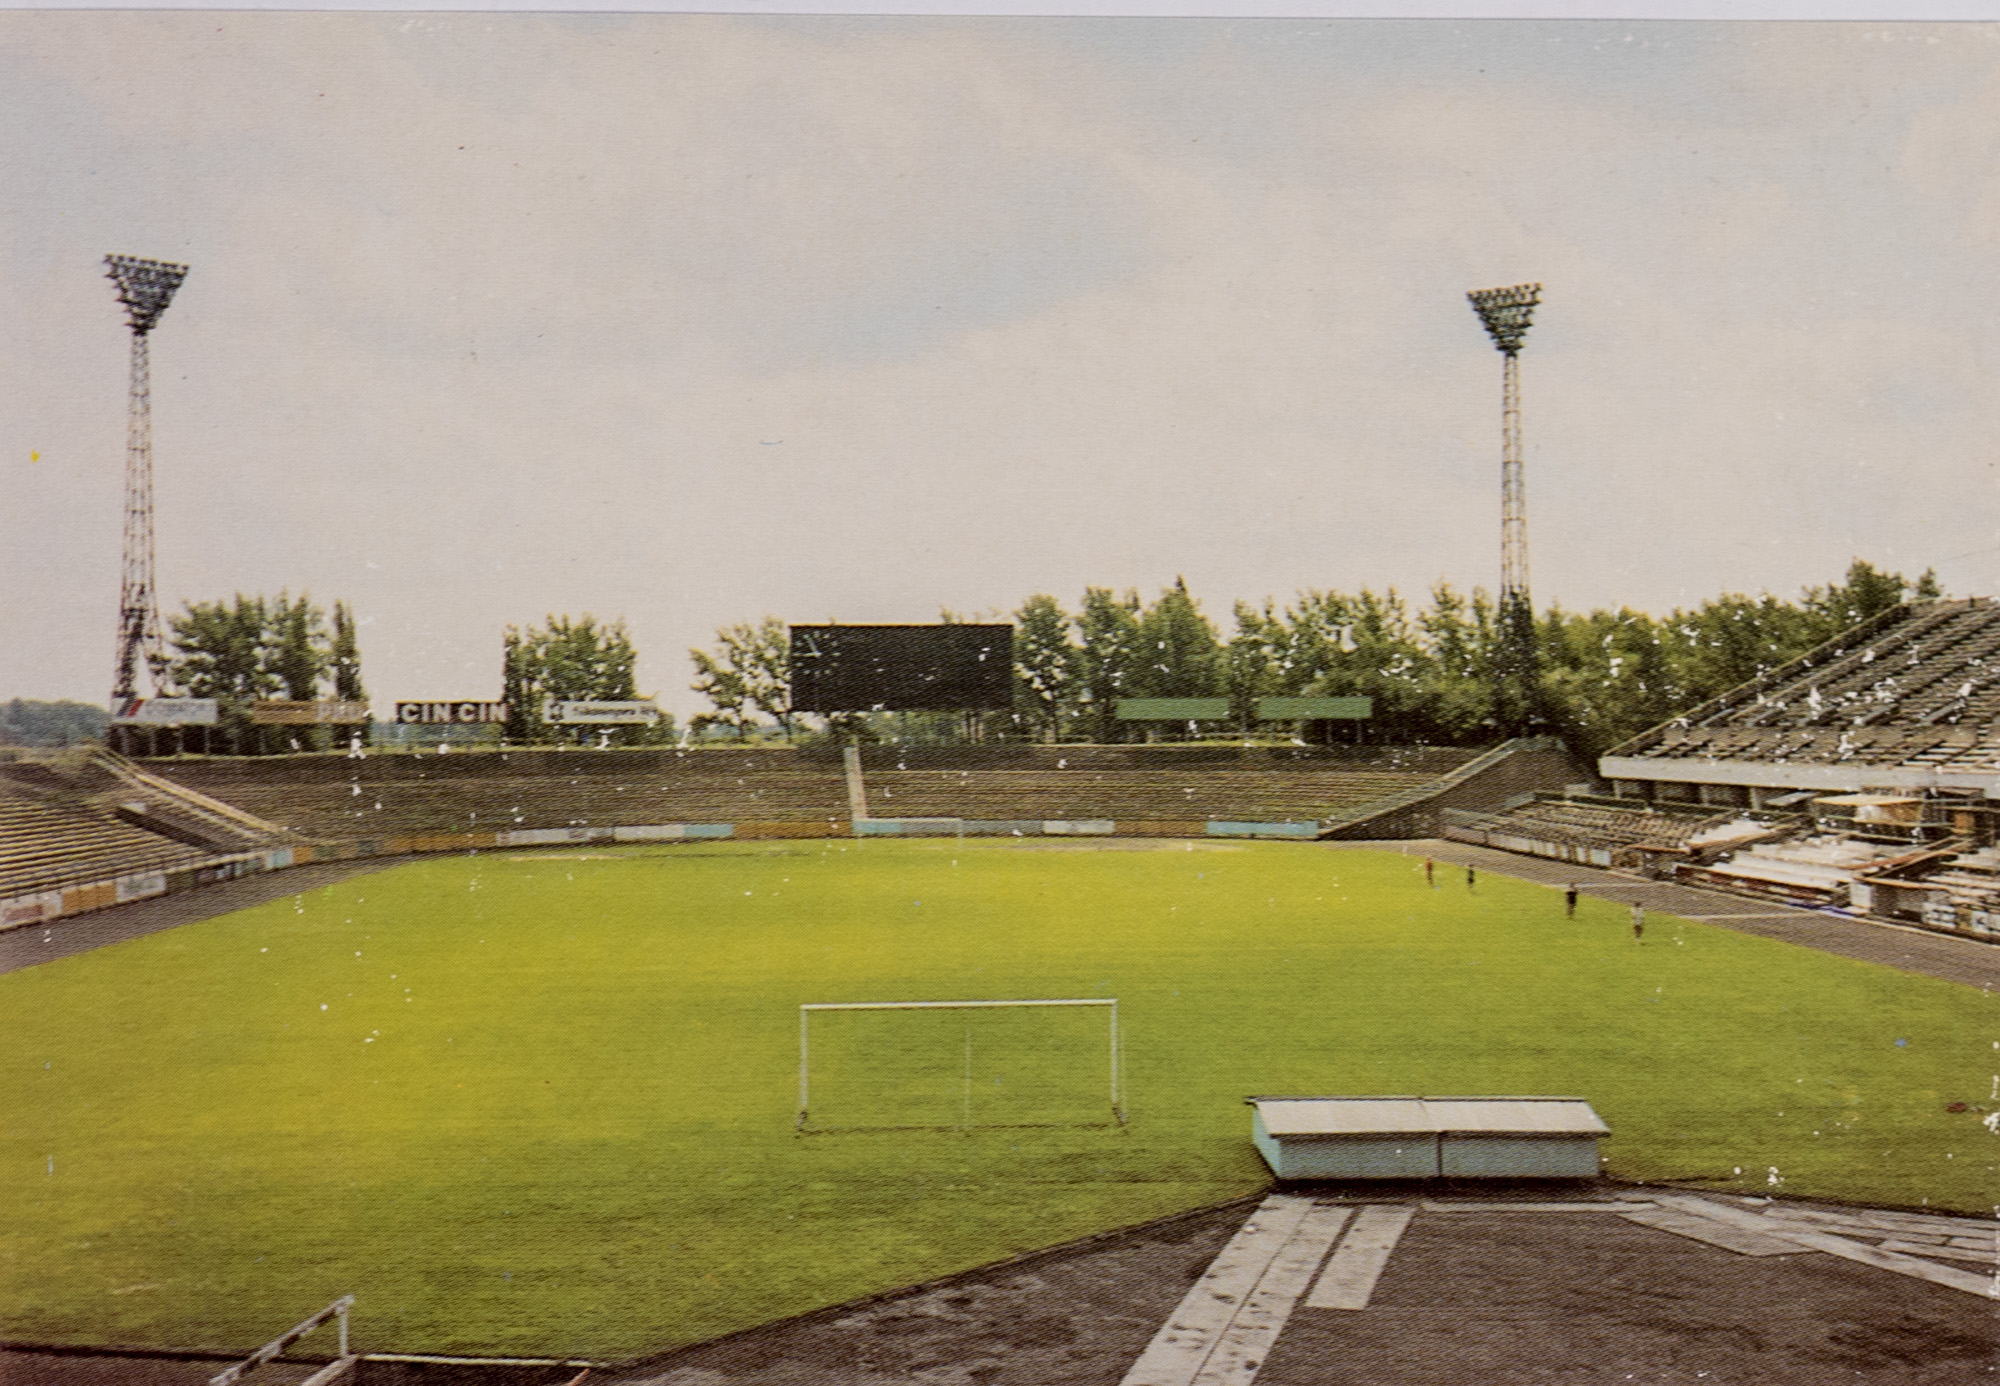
<point>902,668</point>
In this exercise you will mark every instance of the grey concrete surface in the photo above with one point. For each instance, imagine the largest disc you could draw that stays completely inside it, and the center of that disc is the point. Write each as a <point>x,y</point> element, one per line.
<point>1963,960</point>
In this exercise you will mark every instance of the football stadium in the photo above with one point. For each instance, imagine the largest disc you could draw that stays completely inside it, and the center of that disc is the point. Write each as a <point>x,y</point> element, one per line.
<point>707,1039</point>
<point>1378,993</point>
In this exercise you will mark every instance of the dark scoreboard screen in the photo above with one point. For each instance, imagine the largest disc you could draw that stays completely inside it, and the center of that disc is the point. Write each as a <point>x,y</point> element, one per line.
<point>902,668</point>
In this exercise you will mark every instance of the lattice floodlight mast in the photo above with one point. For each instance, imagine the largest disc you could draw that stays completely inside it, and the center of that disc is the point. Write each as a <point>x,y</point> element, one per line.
<point>1507,314</point>
<point>145,287</point>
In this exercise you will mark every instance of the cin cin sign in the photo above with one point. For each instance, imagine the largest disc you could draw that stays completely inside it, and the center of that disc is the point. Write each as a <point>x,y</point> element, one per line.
<point>450,714</point>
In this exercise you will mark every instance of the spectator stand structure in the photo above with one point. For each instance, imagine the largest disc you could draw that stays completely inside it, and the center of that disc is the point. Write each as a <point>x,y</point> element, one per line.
<point>1863,776</point>
<point>1907,704</point>
<point>83,831</point>
<point>170,824</point>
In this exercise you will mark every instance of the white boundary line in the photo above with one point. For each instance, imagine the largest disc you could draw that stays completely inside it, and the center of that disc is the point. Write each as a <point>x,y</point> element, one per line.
<point>1191,1333</point>
<point>1246,1344</point>
<point>1349,1278</point>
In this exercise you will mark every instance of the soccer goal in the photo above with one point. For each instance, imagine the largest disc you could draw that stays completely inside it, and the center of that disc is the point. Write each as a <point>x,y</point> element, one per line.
<point>954,1065</point>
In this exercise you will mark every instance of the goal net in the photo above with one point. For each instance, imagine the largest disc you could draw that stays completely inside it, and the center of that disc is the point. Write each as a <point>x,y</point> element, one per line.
<point>887,1065</point>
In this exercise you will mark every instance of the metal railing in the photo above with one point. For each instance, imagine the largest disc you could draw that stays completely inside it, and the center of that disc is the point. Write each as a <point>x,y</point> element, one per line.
<point>271,1350</point>
<point>1416,794</point>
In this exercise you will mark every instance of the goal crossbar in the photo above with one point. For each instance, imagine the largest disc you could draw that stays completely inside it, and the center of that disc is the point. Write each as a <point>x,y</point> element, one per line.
<point>805,1035</point>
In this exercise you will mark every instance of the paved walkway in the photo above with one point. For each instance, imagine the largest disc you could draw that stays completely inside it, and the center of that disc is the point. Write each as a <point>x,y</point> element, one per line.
<point>1423,1285</point>
<point>1962,960</point>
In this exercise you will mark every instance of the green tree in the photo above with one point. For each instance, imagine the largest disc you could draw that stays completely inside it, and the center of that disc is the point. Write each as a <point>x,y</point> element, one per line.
<point>1180,651</point>
<point>343,659</point>
<point>345,656</point>
<point>1607,676</point>
<point>1457,681</point>
<point>254,648</point>
<point>295,652</point>
<point>1250,661</point>
<point>1866,592</point>
<point>1308,640</point>
<point>1363,645</point>
<point>1045,666</point>
<point>31,722</point>
<point>1108,657</point>
<point>568,660</point>
<point>1388,665</point>
<point>295,649</point>
<point>220,651</point>
<point>750,673</point>
<point>524,725</point>
<point>1731,639</point>
<point>1520,703</point>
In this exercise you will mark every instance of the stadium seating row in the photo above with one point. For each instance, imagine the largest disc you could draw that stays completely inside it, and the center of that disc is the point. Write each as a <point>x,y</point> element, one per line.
<point>394,794</point>
<point>1922,690</point>
<point>1594,825</point>
<point>81,833</point>
<point>1942,885</point>
<point>1253,795</point>
<point>45,845</point>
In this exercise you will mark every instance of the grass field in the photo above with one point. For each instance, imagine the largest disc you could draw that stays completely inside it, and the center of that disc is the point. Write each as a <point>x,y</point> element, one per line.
<point>544,1104</point>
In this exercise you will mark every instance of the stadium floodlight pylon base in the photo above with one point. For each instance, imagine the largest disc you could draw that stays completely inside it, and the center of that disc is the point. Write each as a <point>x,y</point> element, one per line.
<point>803,1124</point>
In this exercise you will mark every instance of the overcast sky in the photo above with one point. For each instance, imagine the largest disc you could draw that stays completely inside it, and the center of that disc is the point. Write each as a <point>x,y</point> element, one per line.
<point>685,320</point>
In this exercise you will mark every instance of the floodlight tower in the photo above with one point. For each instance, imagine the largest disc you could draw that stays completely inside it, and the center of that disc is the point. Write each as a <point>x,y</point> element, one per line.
<point>145,287</point>
<point>1506,314</point>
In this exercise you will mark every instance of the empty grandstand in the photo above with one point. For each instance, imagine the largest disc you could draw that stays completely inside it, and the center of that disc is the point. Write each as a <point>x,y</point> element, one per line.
<point>95,830</point>
<point>1862,776</point>
<point>82,831</point>
<point>338,798</point>
<point>1591,831</point>
<point>1908,702</point>
<point>1175,784</point>
<point>46,844</point>
<point>1961,892</point>
<point>1800,860</point>
<point>341,798</point>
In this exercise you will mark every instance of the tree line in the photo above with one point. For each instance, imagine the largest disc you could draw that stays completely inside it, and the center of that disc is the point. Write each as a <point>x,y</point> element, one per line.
<point>254,649</point>
<point>565,660</point>
<point>64,722</point>
<point>250,649</point>
<point>1439,674</point>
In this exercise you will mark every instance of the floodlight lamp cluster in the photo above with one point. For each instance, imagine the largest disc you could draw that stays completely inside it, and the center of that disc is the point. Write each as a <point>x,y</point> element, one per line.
<point>1507,313</point>
<point>145,287</point>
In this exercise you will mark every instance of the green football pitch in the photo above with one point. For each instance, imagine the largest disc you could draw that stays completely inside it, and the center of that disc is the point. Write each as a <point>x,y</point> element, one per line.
<point>545,1104</point>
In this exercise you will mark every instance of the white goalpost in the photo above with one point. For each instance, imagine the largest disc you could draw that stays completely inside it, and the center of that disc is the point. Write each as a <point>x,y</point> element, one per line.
<point>1114,1056</point>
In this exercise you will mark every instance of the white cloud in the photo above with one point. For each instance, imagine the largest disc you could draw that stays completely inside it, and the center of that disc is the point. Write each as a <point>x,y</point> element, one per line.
<point>686,319</point>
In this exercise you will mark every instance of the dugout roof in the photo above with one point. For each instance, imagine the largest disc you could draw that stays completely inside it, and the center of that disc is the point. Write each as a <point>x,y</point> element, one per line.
<point>1425,1116</point>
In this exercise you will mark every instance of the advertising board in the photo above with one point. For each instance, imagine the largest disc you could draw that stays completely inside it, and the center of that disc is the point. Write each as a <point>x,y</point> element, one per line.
<point>1170,709</point>
<point>166,712</point>
<point>1314,709</point>
<point>583,713</point>
<point>308,714</point>
<point>456,713</point>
